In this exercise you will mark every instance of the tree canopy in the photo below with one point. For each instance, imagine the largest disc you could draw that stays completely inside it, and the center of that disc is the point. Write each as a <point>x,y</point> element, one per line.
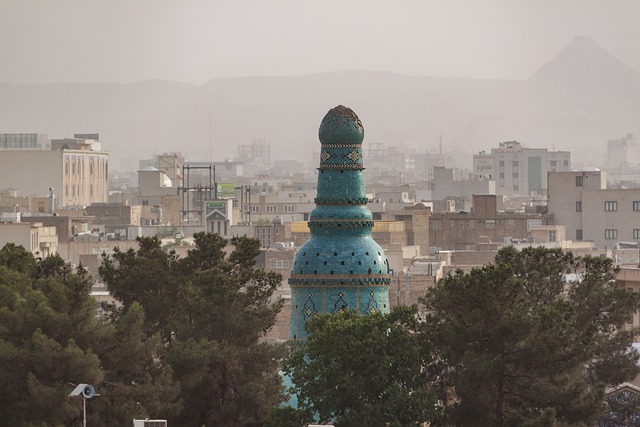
<point>51,340</point>
<point>212,311</point>
<point>184,341</point>
<point>521,347</point>
<point>363,370</point>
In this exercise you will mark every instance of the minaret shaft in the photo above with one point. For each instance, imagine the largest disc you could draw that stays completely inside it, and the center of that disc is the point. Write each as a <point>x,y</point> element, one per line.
<point>340,267</point>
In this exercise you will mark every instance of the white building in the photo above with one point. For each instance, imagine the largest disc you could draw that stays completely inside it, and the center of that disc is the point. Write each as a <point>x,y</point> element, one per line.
<point>518,170</point>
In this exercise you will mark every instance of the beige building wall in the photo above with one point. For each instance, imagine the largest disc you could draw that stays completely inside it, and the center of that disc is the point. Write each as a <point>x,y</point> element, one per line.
<point>37,239</point>
<point>78,177</point>
<point>84,178</point>
<point>32,172</point>
<point>580,201</point>
<point>629,278</point>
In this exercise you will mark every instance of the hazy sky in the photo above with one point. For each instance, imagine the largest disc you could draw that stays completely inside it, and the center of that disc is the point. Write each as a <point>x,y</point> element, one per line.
<point>123,41</point>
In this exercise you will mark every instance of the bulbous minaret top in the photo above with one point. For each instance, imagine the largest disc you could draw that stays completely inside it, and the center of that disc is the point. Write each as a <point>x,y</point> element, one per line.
<point>341,266</point>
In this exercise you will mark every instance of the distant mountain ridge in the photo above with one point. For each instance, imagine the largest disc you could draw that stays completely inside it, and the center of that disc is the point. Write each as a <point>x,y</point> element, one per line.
<point>576,101</point>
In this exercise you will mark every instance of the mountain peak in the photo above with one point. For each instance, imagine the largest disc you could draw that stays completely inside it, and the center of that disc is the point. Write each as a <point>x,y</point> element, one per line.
<point>586,61</point>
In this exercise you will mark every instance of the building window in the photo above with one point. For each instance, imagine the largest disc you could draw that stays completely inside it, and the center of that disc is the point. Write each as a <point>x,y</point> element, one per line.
<point>610,206</point>
<point>553,163</point>
<point>255,209</point>
<point>279,263</point>
<point>501,175</point>
<point>516,188</point>
<point>514,175</point>
<point>579,234</point>
<point>610,233</point>
<point>514,164</point>
<point>435,225</point>
<point>636,233</point>
<point>289,208</point>
<point>579,181</point>
<point>579,206</point>
<point>565,163</point>
<point>636,206</point>
<point>501,163</point>
<point>271,209</point>
<point>552,235</point>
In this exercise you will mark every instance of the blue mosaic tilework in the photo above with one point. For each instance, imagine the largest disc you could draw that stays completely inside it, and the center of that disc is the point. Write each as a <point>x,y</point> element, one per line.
<point>309,301</point>
<point>340,267</point>
<point>340,185</point>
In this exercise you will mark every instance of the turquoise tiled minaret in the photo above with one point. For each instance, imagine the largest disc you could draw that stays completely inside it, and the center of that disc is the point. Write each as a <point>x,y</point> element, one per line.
<point>341,266</point>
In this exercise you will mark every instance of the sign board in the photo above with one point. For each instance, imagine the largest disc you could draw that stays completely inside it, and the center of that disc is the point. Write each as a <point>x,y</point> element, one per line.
<point>216,210</point>
<point>226,190</point>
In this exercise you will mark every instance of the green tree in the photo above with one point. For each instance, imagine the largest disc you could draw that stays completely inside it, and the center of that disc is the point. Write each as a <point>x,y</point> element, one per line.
<point>520,347</point>
<point>147,276</point>
<point>50,340</point>
<point>212,311</point>
<point>47,319</point>
<point>363,370</point>
<point>137,384</point>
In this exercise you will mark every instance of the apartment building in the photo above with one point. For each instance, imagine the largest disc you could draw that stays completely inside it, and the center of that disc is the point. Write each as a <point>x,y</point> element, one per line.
<point>483,225</point>
<point>519,170</point>
<point>581,201</point>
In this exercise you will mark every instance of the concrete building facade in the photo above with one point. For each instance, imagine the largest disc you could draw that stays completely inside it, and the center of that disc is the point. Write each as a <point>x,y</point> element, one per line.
<point>519,170</point>
<point>622,152</point>
<point>76,170</point>
<point>581,201</point>
<point>483,225</point>
<point>36,238</point>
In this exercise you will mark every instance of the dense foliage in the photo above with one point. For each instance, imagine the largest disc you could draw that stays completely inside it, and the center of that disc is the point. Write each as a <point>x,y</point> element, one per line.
<point>182,343</point>
<point>211,311</point>
<point>363,371</point>
<point>508,344</point>
<point>50,340</point>
<point>520,347</point>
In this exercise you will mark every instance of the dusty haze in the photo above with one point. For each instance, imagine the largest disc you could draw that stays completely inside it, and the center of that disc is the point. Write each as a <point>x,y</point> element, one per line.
<point>472,71</point>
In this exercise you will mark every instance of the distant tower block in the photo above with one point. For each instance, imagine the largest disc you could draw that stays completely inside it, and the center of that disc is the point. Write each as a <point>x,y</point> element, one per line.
<point>340,267</point>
